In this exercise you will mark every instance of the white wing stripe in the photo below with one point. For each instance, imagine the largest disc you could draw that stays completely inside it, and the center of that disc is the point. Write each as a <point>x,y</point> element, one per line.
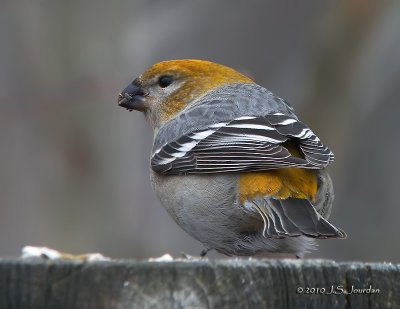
<point>251,137</point>
<point>245,118</point>
<point>166,160</point>
<point>218,125</point>
<point>202,134</point>
<point>287,121</point>
<point>250,126</point>
<point>188,146</point>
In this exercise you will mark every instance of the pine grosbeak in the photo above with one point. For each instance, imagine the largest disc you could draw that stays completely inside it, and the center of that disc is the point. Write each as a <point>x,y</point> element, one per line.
<point>231,162</point>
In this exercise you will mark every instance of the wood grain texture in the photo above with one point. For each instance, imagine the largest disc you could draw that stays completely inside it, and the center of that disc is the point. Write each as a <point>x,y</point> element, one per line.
<point>233,283</point>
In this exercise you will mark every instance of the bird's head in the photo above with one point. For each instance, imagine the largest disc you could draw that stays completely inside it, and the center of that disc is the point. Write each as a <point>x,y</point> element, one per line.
<point>168,87</point>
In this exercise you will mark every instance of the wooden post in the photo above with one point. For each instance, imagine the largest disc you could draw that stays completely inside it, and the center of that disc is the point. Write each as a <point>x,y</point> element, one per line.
<point>230,283</point>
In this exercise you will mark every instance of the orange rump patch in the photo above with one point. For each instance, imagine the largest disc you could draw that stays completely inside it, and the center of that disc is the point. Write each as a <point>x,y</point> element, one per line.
<point>280,183</point>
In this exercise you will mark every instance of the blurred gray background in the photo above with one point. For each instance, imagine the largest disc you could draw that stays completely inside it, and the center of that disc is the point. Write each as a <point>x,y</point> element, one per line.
<point>74,166</point>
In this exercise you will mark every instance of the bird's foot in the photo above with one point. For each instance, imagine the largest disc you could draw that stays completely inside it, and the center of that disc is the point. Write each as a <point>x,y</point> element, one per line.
<point>204,252</point>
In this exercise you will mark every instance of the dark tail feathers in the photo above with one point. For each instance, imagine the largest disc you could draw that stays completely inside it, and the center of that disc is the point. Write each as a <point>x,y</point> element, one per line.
<point>295,217</point>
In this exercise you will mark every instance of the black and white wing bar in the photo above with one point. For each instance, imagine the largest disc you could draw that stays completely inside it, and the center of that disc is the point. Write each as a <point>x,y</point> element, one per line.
<point>243,144</point>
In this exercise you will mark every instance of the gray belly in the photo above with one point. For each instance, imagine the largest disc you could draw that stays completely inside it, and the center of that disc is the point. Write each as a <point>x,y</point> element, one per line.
<point>204,206</point>
<point>207,208</point>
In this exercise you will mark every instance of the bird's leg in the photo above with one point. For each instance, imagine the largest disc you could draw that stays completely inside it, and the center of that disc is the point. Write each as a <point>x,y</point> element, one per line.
<point>204,252</point>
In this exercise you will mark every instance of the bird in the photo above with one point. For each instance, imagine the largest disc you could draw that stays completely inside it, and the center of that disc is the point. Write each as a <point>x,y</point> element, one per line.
<point>231,162</point>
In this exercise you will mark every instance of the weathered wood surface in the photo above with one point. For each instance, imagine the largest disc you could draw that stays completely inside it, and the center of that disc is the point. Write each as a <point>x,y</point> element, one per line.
<point>37,283</point>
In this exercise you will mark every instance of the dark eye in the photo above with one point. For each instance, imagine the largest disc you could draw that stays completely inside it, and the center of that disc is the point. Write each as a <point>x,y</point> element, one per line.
<point>165,81</point>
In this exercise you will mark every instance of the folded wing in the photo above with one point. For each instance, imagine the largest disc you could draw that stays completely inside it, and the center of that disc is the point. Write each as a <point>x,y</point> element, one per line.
<point>246,143</point>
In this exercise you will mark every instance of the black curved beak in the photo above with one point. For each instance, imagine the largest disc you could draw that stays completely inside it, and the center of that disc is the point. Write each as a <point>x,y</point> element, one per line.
<point>132,98</point>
